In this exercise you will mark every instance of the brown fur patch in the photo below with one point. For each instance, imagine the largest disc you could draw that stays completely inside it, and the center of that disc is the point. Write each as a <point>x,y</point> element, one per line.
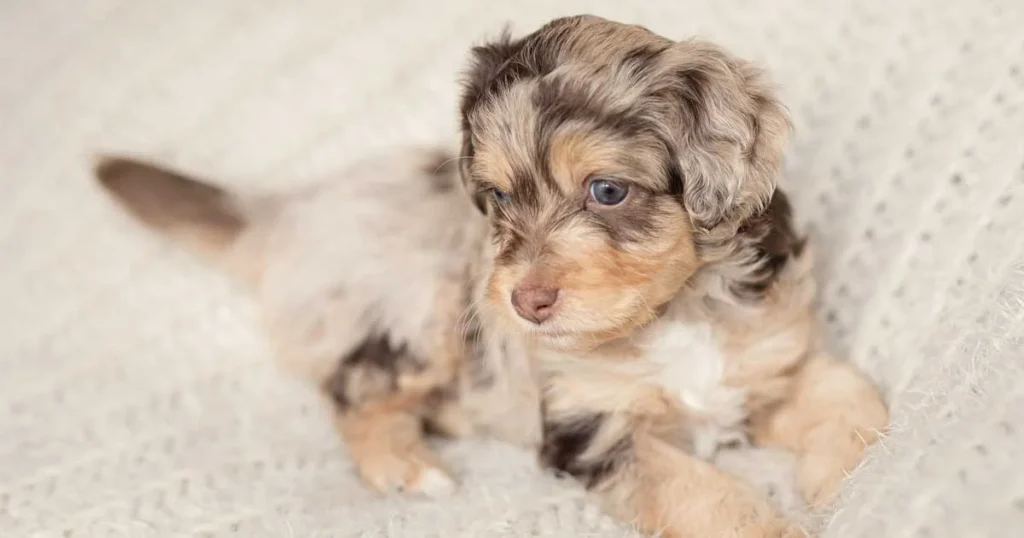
<point>573,445</point>
<point>370,372</point>
<point>386,400</point>
<point>775,242</point>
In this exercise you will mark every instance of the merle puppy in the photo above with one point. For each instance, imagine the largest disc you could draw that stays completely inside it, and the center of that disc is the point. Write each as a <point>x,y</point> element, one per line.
<point>610,240</point>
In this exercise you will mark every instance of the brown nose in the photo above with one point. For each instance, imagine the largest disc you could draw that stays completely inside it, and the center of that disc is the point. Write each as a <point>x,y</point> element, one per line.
<point>535,304</point>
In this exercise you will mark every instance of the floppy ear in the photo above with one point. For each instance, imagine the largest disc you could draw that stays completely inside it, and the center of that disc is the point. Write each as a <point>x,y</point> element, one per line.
<point>486,63</point>
<point>728,128</point>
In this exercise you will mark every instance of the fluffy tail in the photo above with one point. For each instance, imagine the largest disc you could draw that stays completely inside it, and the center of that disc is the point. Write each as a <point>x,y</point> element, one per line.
<point>200,216</point>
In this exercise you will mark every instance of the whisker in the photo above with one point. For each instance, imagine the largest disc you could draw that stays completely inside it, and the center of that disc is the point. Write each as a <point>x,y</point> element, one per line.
<point>651,311</point>
<point>453,159</point>
<point>465,320</point>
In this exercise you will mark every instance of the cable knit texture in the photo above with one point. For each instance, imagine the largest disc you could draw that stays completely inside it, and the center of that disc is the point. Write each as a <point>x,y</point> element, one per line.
<point>137,399</point>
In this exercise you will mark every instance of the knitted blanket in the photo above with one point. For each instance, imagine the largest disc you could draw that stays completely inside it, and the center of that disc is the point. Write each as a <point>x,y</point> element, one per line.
<point>137,399</point>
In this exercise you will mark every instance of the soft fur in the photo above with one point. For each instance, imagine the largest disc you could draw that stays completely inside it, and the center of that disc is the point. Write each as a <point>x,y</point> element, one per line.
<point>675,321</point>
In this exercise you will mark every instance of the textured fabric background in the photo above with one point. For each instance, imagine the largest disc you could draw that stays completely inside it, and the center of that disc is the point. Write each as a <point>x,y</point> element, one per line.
<point>137,400</point>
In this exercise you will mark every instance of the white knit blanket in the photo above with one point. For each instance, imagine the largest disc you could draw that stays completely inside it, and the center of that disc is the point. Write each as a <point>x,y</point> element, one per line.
<point>136,398</point>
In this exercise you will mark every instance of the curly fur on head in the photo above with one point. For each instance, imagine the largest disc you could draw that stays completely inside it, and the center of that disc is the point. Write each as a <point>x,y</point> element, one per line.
<point>695,134</point>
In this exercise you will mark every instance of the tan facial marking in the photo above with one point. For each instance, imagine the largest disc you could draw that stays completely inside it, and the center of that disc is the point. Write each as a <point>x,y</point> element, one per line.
<point>659,268</point>
<point>494,165</point>
<point>604,291</point>
<point>577,154</point>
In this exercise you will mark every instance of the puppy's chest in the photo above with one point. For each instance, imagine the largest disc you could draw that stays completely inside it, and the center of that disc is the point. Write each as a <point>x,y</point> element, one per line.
<point>688,362</point>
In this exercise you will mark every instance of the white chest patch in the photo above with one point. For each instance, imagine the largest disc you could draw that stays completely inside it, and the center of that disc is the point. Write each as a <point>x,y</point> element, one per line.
<point>690,364</point>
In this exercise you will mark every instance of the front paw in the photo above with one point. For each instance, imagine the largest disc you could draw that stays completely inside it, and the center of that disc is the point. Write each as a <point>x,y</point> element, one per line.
<point>736,513</point>
<point>749,524</point>
<point>762,520</point>
<point>823,466</point>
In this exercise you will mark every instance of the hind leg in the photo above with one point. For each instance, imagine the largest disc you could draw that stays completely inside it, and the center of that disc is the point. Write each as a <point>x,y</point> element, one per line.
<point>386,443</point>
<point>384,400</point>
<point>382,394</point>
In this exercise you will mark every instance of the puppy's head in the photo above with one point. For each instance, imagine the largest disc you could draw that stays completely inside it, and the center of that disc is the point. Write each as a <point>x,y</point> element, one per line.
<point>607,158</point>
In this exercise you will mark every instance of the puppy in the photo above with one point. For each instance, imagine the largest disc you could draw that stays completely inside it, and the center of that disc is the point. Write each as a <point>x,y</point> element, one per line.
<point>623,251</point>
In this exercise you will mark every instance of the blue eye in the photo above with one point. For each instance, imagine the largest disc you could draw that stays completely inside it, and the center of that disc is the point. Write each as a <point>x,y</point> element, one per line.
<point>606,192</point>
<point>499,195</point>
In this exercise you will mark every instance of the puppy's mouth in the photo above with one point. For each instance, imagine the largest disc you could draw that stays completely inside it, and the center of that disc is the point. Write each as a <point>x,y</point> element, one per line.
<point>557,335</point>
<point>549,331</point>
<point>579,340</point>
